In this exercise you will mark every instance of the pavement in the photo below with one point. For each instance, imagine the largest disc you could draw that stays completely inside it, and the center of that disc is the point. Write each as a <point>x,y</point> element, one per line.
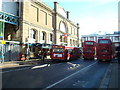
<point>110,80</point>
<point>20,63</point>
<point>114,77</point>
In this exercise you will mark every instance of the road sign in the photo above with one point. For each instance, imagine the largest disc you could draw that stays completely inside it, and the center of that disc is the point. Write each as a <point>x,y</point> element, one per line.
<point>65,34</point>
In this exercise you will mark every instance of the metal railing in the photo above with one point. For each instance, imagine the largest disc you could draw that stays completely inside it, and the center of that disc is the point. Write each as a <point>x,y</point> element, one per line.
<point>9,18</point>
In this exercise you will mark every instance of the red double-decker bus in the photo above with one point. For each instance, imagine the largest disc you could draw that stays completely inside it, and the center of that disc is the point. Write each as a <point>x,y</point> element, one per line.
<point>89,50</point>
<point>105,50</point>
<point>60,52</point>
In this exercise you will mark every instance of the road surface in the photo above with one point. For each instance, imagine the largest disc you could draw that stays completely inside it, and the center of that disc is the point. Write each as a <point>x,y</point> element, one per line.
<point>73,74</point>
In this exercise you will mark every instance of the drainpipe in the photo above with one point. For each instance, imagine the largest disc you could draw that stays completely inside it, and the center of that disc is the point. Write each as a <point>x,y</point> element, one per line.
<point>55,22</point>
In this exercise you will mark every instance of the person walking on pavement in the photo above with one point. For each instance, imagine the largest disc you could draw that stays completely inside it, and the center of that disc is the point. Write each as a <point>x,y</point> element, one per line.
<point>26,51</point>
<point>40,54</point>
<point>43,53</point>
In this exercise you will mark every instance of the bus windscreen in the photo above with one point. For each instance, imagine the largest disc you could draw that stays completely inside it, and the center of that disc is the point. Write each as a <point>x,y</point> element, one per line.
<point>103,41</point>
<point>89,43</point>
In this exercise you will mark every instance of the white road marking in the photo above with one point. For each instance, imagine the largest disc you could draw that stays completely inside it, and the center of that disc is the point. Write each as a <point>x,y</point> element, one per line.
<point>40,66</point>
<point>52,85</point>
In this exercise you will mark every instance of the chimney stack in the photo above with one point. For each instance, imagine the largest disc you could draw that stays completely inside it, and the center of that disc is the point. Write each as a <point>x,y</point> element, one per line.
<point>68,14</point>
<point>55,6</point>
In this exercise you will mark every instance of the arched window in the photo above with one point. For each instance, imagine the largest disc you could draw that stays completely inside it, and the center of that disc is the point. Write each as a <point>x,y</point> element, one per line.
<point>51,36</point>
<point>32,34</point>
<point>43,36</point>
<point>62,27</point>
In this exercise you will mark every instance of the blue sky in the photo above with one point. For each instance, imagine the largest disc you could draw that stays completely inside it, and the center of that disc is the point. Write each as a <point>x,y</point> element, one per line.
<point>92,15</point>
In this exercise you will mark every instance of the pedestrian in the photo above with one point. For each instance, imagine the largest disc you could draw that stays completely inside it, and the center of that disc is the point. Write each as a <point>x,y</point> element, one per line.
<point>25,51</point>
<point>44,54</point>
<point>40,54</point>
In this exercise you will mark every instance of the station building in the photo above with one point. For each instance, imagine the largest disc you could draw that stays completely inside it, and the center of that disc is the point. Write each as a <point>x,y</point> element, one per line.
<point>34,22</point>
<point>42,24</point>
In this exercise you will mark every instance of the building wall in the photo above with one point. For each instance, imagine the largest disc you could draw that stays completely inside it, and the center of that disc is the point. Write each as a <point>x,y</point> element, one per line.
<point>36,14</point>
<point>38,18</point>
<point>70,27</point>
<point>41,18</point>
